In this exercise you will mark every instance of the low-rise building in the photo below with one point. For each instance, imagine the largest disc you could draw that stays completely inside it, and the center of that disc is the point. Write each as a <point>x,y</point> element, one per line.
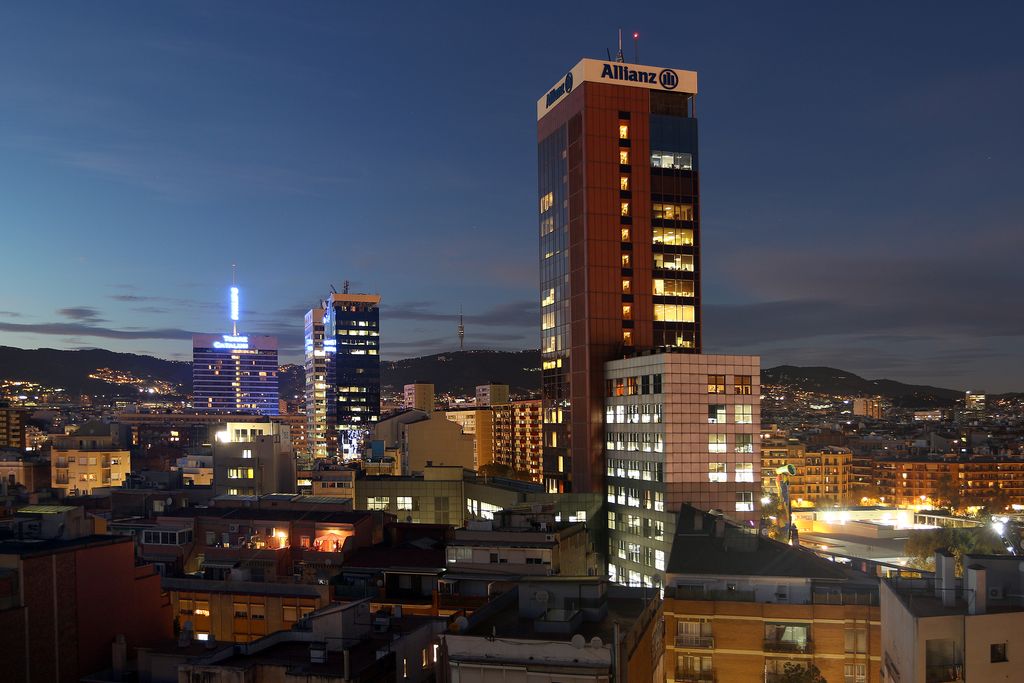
<point>479,423</point>
<point>20,468</point>
<point>66,595</point>
<point>94,456</point>
<point>741,607</point>
<point>957,481</point>
<point>253,459</point>
<point>555,629</point>
<point>418,439</point>
<point>944,629</point>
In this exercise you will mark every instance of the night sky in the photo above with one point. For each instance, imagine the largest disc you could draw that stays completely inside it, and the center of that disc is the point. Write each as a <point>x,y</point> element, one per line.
<point>862,191</point>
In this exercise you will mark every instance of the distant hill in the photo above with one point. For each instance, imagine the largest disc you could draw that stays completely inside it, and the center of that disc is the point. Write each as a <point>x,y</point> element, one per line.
<point>71,369</point>
<point>455,372</point>
<point>833,381</point>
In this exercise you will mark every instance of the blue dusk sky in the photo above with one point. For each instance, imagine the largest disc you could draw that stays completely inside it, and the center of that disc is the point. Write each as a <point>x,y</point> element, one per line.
<point>860,168</point>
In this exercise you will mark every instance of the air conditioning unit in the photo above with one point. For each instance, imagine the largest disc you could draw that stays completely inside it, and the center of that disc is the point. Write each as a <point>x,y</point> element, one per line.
<point>995,592</point>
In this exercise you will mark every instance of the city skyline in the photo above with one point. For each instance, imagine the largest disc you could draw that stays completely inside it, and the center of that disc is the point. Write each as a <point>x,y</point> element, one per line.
<point>833,238</point>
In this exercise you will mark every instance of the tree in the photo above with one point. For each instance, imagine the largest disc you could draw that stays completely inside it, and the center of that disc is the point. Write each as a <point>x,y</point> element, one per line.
<point>798,673</point>
<point>921,545</point>
<point>947,493</point>
<point>497,469</point>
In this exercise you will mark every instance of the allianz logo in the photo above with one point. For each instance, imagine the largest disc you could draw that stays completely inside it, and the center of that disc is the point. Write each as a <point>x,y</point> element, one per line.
<point>667,78</point>
<point>560,90</point>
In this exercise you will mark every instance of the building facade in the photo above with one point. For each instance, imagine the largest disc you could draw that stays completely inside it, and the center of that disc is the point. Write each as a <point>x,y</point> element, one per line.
<point>419,395</point>
<point>619,226</point>
<point>12,427</point>
<point>823,477</point>
<point>342,365</point>
<point>491,394</point>
<point>517,437</point>
<point>478,423</point>
<point>235,373</point>
<point>680,429</point>
<point>253,459</point>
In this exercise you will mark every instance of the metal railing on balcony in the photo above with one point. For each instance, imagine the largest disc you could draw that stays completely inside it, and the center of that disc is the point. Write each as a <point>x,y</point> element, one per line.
<point>690,676</point>
<point>798,646</point>
<point>690,641</point>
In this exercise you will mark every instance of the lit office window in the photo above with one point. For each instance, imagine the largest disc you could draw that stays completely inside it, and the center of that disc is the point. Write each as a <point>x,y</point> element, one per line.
<point>625,208</point>
<point>744,501</point>
<point>744,471</point>
<point>623,131</point>
<point>716,443</point>
<point>624,183</point>
<point>716,472</point>
<point>624,157</point>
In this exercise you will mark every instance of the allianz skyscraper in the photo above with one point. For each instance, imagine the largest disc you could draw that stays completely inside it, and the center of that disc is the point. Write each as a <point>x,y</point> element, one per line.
<point>619,226</point>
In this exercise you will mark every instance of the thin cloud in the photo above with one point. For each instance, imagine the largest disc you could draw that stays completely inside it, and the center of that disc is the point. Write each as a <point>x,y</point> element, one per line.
<point>84,330</point>
<point>85,314</point>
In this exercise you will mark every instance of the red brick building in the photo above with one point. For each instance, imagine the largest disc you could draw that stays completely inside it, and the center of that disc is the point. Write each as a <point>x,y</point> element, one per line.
<point>63,601</point>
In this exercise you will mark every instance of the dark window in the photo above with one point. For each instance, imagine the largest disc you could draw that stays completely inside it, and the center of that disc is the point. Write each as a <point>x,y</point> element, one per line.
<point>998,652</point>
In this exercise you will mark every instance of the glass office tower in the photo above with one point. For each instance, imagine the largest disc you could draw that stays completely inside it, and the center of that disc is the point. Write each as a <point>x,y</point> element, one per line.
<point>619,219</point>
<point>342,363</point>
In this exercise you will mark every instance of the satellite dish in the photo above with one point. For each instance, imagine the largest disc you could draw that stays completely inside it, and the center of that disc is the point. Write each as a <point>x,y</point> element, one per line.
<point>461,624</point>
<point>596,643</point>
<point>541,597</point>
<point>578,641</point>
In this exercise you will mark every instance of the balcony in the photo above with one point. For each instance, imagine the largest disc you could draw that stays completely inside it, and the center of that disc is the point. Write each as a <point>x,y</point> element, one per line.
<point>695,642</point>
<point>944,673</point>
<point>686,676</point>
<point>805,647</point>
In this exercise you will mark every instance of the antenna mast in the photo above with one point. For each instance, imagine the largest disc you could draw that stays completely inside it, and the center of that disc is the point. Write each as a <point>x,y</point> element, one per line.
<point>619,57</point>
<point>462,330</point>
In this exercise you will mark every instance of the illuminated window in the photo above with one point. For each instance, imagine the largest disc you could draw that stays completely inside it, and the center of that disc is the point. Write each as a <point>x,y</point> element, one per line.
<point>744,471</point>
<point>744,501</point>
<point>623,131</point>
<point>546,202</point>
<point>627,337</point>
<point>682,262</point>
<point>627,286</point>
<point>666,287</point>
<point>744,443</point>
<point>624,182</point>
<point>675,236</point>
<point>627,260</point>
<point>743,385</point>
<point>716,414</point>
<point>744,414</point>
<point>716,384</point>
<point>624,157</point>
<point>674,313</point>
<point>625,234</point>
<point>625,208</point>
<point>716,443</point>
<point>247,453</point>
<point>627,311</point>
<point>716,472</point>
<point>672,212</point>
<point>404,502</point>
<point>241,473</point>
<point>378,502</point>
<point>675,160</point>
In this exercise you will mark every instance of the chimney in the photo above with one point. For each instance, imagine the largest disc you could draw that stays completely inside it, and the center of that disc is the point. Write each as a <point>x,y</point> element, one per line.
<point>945,581</point>
<point>977,602</point>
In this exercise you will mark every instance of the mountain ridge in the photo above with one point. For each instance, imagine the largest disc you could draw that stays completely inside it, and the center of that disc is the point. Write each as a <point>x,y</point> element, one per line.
<point>451,372</point>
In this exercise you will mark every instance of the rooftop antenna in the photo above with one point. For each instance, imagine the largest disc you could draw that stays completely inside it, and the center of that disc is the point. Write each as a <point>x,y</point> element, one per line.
<point>619,57</point>
<point>234,303</point>
<point>636,47</point>
<point>344,287</point>
<point>462,330</point>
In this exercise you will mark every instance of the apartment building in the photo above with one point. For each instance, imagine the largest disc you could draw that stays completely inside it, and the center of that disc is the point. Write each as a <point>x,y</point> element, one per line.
<point>517,436</point>
<point>824,477</point>
<point>945,629</point>
<point>742,607</point>
<point>93,457</point>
